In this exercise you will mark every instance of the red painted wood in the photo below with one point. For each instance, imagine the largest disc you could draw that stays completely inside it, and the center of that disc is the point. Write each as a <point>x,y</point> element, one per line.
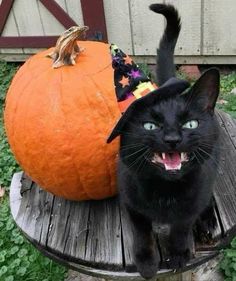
<point>5,9</point>
<point>59,13</point>
<point>33,41</point>
<point>94,18</point>
<point>28,41</point>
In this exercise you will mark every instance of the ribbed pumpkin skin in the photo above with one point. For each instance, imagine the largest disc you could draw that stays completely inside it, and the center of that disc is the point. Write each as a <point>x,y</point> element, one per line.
<point>57,122</point>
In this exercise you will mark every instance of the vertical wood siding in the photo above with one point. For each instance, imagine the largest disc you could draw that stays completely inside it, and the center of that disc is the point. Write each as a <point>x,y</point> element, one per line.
<point>118,23</point>
<point>31,18</point>
<point>219,27</point>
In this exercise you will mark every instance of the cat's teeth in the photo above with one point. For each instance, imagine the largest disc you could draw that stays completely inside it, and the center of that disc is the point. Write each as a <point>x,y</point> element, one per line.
<point>169,168</point>
<point>179,166</point>
<point>163,155</point>
<point>184,157</point>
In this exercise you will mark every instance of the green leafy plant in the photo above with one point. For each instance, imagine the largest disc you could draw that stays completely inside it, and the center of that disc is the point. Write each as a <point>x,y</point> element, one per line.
<point>8,164</point>
<point>19,260</point>
<point>7,71</point>
<point>228,104</point>
<point>228,82</point>
<point>228,264</point>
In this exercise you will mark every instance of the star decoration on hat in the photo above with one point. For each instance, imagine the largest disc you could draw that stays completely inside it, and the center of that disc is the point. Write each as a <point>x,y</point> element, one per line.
<point>135,73</point>
<point>128,60</point>
<point>124,81</point>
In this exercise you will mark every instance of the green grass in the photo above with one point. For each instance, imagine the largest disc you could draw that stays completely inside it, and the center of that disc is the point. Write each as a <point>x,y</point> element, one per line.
<point>19,260</point>
<point>228,264</point>
<point>228,82</point>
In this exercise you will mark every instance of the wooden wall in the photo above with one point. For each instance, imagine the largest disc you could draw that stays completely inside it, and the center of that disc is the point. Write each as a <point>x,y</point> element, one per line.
<point>208,28</point>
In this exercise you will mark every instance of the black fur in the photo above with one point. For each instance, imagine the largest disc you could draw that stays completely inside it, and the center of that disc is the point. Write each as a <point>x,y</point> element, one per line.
<point>167,43</point>
<point>149,192</point>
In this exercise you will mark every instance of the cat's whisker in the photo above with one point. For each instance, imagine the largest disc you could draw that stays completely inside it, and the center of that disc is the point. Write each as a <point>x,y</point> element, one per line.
<point>142,162</point>
<point>214,147</point>
<point>199,162</point>
<point>215,168</point>
<point>208,165</point>
<point>137,151</point>
<point>209,155</point>
<point>127,147</point>
<point>137,160</point>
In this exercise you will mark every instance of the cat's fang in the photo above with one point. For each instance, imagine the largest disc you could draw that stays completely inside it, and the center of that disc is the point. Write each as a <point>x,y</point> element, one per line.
<point>156,159</point>
<point>163,155</point>
<point>184,157</point>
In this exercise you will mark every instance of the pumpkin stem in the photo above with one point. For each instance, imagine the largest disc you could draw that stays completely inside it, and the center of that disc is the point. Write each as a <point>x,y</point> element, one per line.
<point>66,48</point>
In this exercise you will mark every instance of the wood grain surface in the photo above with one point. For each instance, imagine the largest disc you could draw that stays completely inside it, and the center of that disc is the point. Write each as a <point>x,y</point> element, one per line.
<point>94,237</point>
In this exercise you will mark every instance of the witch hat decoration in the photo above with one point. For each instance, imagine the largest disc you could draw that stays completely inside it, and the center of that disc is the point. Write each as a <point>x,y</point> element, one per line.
<point>130,81</point>
<point>136,91</point>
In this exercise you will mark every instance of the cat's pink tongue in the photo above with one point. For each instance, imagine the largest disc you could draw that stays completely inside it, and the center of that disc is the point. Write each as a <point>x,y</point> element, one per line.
<point>172,161</point>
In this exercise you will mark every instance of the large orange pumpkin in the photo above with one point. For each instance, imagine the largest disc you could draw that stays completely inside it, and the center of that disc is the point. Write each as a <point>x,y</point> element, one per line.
<point>57,122</point>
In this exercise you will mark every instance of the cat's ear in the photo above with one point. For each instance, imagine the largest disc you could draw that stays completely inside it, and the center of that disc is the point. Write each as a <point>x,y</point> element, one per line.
<point>206,90</point>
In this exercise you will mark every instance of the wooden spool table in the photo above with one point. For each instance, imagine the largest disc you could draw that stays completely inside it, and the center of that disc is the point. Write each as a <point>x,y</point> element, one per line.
<point>94,237</point>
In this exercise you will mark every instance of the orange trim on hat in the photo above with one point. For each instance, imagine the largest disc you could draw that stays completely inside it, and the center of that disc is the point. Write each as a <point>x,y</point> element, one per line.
<point>142,90</point>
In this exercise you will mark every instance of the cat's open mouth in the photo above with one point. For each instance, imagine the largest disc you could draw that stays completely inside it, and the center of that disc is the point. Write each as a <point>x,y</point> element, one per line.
<point>170,160</point>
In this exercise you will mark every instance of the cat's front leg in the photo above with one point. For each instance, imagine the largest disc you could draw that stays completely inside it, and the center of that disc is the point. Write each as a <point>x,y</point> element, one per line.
<point>179,246</point>
<point>206,224</point>
<point>146,255</point>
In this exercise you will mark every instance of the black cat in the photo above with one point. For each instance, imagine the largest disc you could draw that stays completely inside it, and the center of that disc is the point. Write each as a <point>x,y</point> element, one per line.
<point>167,155</point>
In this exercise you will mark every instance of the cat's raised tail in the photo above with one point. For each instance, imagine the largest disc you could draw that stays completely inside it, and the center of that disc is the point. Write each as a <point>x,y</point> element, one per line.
<point>165,53</point>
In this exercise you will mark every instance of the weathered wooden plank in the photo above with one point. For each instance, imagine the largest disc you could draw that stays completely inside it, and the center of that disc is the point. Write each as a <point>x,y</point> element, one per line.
<point>217,232</point>
<point>230,126</point>
<point>5,8</point>
<point>33,216</point>
<point>68,228</point>
<point>57,222</point>
<point>127,238</point>
<point>103,247</point>
<point>225,188</point>
<point>117,15</point>
<point>51,26</point>
<point>147,27</point>
<point>209,271</point>
<point>74,9</point>
<point>28,23</point>
<point>219,32</point>
<point>15,196</point>
<point>10,29</point>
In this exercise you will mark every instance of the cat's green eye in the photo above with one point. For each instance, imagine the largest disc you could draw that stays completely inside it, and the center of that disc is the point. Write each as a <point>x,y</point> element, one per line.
<point>150,126</point>
<point>192,124</point>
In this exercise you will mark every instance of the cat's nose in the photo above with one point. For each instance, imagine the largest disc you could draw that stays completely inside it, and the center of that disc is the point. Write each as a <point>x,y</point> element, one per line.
<point>172,139</point>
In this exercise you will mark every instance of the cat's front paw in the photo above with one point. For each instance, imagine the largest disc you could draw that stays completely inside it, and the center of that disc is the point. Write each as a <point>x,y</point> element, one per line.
<point>178,259</point>
<point>147,263</point>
